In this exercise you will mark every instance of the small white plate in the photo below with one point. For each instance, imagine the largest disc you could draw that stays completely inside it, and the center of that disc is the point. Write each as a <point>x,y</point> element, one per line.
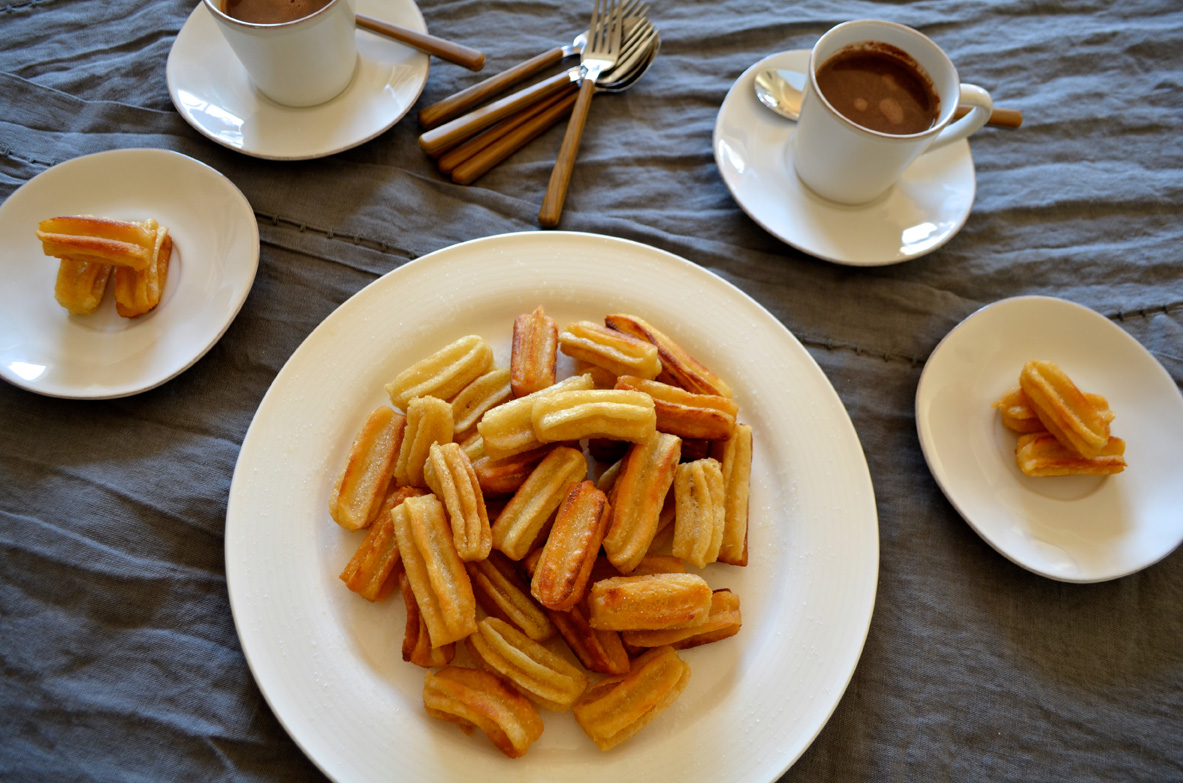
<point>328,661</point>
<point>1070,528</point>
<point>102,355</point>
<point>212,91</point>
<point>923,211</point>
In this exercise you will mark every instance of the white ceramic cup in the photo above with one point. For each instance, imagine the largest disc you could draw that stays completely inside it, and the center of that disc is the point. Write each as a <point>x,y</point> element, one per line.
<point>844,162</point>
<point>304,62</point>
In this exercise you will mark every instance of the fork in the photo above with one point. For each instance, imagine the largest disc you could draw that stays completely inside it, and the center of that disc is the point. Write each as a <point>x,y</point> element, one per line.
<point>602,49</point>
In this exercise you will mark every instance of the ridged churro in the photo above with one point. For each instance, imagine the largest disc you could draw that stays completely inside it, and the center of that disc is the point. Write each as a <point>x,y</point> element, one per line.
<point>138,291</point>
<point>487,391</point>
<point>454,482</point>
<point>561,574</point>
<point>637,498</point>
<point>723,621</point>
<point>444,373</point>
<point>617,352</point>
<point>1018,415</point>
<point>735,457</point>
<point>524,518</point>
<point>118,242</point>
<point>541,675</point>
<point>429,420</point>
<point>649,602</point>
<point>369,467</point>
<point>472,697</point>
<point>81,284</point>
<point>616,708</point>
<point>1063,408</point>
<point>686,414</point>
<point>700,511</point>
<point>1042,454</point>
<point>503,476</point>
<point>502,594</point>
<point>376,566</point>
<point>594,413</point>
<point>436,573</point>
<point>678,367</point>
<point>417,648</point>
<point>532,356</point>
<point>508,429</point>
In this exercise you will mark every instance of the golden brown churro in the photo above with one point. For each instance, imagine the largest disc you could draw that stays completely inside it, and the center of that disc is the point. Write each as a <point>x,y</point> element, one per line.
<point>81,284</point>
<point>443,374</point>
<point>429,420</point>
<point>524,518</point>
<point>1041,454</point>
<point>700,511</point>
<point>417,647</point>
<point>472,697</point>
<point>616,708</point>
<point>117,242</point>
<point>1063,409</point>
<point>508,429</point>
<point>376,566</point>
<point>487,391</point>
<point>594,413</point>
<point>678,367</point>
<point>502,594</point>
<point>542,676</point>
<point>436,573</point>
<point>561,574</point>
<point>138,291</point>
<point>686,414</point>
<point>617,352</point>
<point>649,602</point>
<point>735,456</point>
<point>532,357</point>
<point>503,476</point>
<point>723,621</point>
<point>453,481</point>
<point>637,497</point>
<point>363,479</point>
<point>1018,415</point>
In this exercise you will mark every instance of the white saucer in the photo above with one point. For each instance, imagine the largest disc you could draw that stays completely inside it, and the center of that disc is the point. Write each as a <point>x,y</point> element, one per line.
<point>924,210</point>
<point>215,255</point>
<point>1070,528</point>
<point>212,91</point>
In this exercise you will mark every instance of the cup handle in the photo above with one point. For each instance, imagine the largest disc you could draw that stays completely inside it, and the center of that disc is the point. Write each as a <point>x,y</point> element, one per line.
<point>980,108</point>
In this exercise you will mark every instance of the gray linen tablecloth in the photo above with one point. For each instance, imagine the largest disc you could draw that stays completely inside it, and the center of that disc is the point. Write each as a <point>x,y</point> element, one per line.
<point>112,579</point>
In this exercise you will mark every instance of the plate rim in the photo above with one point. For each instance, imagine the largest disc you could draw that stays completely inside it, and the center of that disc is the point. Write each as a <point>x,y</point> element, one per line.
<point>231,191</point>
<point>863,479</point>
<point>930,448</point>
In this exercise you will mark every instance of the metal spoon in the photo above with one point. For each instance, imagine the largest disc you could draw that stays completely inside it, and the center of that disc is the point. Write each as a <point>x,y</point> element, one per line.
<point>782,90</point>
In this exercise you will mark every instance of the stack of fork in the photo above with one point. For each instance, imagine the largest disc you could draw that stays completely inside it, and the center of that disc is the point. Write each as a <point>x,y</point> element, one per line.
<point>617,48</point>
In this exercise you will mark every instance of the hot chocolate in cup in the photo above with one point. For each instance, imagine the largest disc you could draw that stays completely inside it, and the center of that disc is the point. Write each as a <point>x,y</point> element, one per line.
<point>878,95</point>
<point>296,52</point>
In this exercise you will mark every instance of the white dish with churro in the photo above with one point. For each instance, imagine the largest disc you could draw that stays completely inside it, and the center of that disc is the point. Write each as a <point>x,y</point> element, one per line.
<point>104,349</point>
<point>328,660</point>
<point>1098,496</point>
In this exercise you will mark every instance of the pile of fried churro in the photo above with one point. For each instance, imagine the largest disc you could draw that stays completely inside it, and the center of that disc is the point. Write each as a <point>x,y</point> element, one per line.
<point>1063,431</point>
<point>92,250</point>
<point>524,517</point>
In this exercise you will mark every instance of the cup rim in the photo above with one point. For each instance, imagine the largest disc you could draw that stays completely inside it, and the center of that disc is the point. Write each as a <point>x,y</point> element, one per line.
<point>212,5</point>
<point>943,117</point>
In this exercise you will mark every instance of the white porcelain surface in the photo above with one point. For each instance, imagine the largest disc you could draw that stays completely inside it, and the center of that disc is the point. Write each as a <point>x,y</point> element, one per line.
<point>327,660</point>
<point>843,161</point>
<point>923,211</point>
<point>211,90</point>
<point>215,254</point>
<point>1070,528</point>
<point>302,62</point>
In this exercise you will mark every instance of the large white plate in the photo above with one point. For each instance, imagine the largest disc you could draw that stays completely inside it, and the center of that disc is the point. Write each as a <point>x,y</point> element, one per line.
<point>215,255</point>
<point>921,212</point>
<point>1070,528</point>
<point>329,663</point>
<point>211,89</point>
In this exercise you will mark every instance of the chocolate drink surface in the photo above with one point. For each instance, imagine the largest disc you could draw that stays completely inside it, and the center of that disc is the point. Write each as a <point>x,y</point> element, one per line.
<point>880,88</point>
<point>271,11</point>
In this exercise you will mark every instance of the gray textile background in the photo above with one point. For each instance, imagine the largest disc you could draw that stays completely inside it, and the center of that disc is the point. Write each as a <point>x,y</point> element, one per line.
<point>118,655</point>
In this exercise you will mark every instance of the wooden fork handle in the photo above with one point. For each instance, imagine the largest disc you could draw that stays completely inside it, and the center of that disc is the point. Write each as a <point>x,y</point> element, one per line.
<point>445,50</point>
<point>513,139</point>
<point>560,175</point>
<point>453,106</point>
<point>999,118</point>
<point>451,133</point>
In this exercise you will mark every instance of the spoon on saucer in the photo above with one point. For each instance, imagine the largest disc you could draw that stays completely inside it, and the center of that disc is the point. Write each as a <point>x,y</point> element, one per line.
<point>471,59</point>
<point>781,91</point>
